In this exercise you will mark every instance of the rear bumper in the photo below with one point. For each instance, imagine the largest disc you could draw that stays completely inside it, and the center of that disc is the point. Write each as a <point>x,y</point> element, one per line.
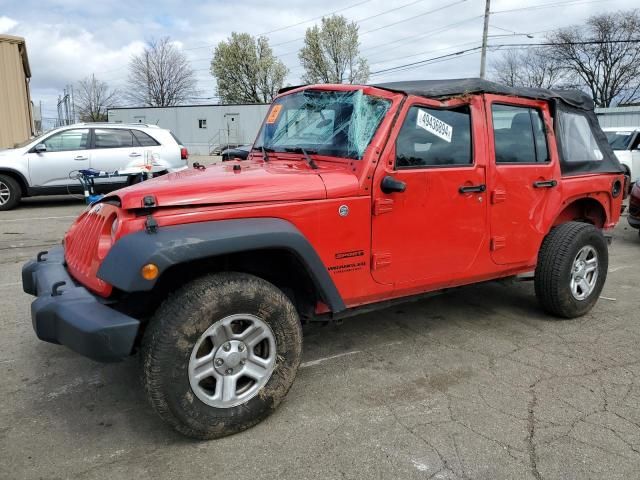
<point>68,314</point>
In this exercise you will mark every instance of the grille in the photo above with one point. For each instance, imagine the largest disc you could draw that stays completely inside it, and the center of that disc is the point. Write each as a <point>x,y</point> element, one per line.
<point>81,248</point>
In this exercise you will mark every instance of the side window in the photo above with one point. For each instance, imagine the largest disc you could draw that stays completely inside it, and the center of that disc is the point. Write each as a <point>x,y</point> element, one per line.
<point>519,135</point>
<point>576,139</point>
<point>77,139</point>
<point>113,138</point>
<point>202,123</point>
<point>143,139</point>
<point>431,137</point>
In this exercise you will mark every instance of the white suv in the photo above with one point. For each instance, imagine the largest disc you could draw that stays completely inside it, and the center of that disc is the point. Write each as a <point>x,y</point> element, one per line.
<point>625,142</point>
<point>45,165</point>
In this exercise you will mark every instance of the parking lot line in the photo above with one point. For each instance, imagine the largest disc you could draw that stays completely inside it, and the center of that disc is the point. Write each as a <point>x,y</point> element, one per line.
<point>28,219</point>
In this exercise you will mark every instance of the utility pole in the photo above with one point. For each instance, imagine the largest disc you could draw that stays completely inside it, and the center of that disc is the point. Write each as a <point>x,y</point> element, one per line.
<point>483,56</point>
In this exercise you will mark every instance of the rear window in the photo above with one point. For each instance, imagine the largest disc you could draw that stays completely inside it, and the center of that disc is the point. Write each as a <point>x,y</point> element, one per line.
<point>619,140</point>
<point>176,139</point>
<point>577,140</point>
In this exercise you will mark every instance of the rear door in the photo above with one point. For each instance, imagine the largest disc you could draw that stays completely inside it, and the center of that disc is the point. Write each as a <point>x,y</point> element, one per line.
<point>67,152</point>
<point>434,231</point>
<point>525,177</point>
<point>115,149</point>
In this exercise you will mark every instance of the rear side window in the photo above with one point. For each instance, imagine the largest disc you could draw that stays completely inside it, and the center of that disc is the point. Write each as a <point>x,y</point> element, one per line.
<point>113,138</point>
<point>143,139</point>
<point>432,137</point>
<point>519,135</point>
<point>576,139</point>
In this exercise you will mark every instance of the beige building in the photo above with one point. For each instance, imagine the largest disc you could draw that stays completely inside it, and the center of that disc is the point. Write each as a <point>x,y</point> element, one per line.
<point>16,115</point>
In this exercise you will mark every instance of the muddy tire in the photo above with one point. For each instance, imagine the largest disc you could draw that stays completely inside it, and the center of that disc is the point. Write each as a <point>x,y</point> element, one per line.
<point>571,270</point>
<point>220,354</point>
<point>10,193</point>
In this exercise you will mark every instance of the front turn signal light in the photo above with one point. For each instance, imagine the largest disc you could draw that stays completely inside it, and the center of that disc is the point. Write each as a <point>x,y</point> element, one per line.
<point>150,271</point>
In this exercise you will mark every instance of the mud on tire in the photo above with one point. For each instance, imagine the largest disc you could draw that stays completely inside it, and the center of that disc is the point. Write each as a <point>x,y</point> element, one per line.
<point>561,267</point>
<point>185,319</point>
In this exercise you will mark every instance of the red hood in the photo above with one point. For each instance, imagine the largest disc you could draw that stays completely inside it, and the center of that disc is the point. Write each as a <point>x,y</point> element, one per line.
<point>255,182</point>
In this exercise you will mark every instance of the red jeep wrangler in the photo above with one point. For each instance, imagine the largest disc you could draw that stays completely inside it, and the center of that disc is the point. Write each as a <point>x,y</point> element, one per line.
<point>353,197</point>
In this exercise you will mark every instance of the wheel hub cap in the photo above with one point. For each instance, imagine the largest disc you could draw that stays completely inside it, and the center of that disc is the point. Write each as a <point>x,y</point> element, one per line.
<point>232,360</point>
<point>584,274</point>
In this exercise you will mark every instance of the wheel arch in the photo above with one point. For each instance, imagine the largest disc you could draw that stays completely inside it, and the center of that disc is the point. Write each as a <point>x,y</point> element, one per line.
<point>583,209</point>
<point>270,248</point>
<point>18,177</point>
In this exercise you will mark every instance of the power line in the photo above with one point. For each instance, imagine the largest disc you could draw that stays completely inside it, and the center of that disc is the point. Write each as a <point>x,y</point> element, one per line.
<point>566,3</point>
<point>294,24</point>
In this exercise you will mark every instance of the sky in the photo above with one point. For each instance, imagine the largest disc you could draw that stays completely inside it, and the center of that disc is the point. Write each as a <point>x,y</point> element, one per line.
<point>68,40</point>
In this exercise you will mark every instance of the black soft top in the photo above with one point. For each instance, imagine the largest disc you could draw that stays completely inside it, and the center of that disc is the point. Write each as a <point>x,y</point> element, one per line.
<point>447,88</point>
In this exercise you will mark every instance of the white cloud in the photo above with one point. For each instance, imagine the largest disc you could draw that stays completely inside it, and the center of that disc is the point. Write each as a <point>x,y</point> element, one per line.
<point>6,24</point>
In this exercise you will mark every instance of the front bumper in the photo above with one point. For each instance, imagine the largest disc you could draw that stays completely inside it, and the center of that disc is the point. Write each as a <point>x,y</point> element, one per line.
<point>68,314</point>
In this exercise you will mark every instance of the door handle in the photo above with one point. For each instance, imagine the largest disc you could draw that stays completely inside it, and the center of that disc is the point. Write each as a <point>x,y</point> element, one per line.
<point>391,185</point>
<point>545,184</point>
<point>80,157</point>
<point>134,154</point>
<point>472,188</point>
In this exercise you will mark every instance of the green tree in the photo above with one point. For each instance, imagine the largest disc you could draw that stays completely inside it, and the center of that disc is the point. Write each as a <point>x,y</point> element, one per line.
<point>331,53</point>
<point>246,70</point>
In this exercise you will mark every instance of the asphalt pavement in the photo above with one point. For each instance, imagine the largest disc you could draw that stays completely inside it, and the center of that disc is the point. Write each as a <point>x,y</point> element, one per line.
<point>478,383</point>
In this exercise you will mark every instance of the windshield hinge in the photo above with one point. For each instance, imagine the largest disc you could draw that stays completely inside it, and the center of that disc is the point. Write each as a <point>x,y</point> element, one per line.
<point>151,225</point>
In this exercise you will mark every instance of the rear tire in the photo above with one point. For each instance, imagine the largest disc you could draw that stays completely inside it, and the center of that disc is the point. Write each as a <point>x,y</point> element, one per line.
<point>571,270</point>
<point>10,193</point>
<point>220,354</point>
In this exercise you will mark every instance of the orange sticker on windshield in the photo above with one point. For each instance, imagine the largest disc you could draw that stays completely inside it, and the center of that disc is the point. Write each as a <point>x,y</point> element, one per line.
<point>273,114</point>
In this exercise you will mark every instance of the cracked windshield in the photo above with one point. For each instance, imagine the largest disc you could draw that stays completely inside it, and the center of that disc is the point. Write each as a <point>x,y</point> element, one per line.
<point>331,123</point>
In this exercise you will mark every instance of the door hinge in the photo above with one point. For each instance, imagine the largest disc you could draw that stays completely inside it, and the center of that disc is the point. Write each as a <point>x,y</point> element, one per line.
<point>497,243</point>
<point>381,260</point>
<point>382,205</point>
<point>498,196</point>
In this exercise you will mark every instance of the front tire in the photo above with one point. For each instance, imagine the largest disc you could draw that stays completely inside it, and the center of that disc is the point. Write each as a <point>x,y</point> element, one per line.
<point>571,270</point>
<point>220,354</point>
<point>10,193</point>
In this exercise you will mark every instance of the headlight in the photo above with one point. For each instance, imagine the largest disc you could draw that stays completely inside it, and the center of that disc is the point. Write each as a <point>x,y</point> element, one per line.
<point>114,228</point>
<point>106,239</point>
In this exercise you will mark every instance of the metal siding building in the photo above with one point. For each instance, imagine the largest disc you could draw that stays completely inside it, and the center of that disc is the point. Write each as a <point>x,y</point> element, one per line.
<point>16,117</point>
<point>201,128</point>
<point>619,117</point>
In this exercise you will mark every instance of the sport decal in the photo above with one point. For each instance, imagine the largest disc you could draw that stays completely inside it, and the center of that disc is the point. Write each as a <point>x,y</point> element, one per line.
<point>433,125</point>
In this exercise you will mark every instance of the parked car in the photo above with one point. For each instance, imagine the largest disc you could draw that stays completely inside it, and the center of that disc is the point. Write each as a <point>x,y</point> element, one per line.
<point>625,142</point>
<point>356,197</point>
<point>634,207</point>
<point>241,152</point>
<point>45,165</point>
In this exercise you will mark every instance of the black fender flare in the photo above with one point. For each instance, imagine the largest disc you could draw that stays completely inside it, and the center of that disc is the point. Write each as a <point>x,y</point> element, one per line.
<point>21,178</point>
<point>178,244</point>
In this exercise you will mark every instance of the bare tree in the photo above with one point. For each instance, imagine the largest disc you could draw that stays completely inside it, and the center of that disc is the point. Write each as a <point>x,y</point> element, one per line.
<point>92,98</point>
<point>246,70</point>
<point>331,53</point>
<point>529,68</point>
<point>604,55</point>
<point>161,76</point>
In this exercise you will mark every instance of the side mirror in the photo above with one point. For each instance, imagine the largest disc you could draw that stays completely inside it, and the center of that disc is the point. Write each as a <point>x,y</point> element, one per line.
<point>40,148</point>
<point>391,185</point>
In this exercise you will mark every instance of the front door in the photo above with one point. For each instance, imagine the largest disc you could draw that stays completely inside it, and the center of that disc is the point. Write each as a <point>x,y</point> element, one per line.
<point>525,178</point>
<point>67,152</point>
<point>434,231</point>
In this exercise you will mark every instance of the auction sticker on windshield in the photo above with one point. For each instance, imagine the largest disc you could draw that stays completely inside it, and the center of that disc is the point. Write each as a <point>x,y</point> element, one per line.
<point>434,125</point>
<point>274,113</point>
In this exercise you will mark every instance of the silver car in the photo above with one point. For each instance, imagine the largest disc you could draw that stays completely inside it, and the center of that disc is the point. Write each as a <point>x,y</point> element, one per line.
<point>47,165</point>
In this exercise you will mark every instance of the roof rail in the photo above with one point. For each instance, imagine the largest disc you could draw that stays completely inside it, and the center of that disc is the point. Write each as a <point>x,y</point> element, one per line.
<point>112,124</point>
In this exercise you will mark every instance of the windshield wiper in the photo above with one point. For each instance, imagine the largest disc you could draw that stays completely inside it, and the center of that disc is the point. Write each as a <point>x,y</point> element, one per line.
<point>264,151</point>
<point>308,159</point>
